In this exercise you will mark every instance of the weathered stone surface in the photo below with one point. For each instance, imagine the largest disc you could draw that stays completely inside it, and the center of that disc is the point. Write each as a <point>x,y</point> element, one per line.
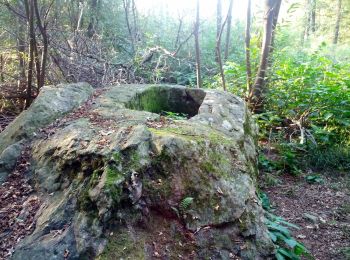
<point>125,182</point>
<point>8,159</point>
<point>52,103</point>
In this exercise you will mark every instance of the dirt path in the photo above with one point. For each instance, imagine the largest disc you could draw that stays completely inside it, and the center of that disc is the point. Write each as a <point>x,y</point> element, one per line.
<point>321,210</point>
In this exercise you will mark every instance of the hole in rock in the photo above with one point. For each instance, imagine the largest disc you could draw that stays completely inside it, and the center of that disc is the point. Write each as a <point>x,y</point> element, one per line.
<point>166,99</point>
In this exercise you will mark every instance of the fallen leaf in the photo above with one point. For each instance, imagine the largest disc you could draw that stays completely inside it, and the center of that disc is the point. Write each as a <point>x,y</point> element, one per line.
<point>66,253</point>
<point>103,133</point>
<point>219,191</point>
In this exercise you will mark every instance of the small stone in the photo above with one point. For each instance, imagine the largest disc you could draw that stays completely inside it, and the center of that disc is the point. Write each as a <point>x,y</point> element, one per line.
<point>310,217</point>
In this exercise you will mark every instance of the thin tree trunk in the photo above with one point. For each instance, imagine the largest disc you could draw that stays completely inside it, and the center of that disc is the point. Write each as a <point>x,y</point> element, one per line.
<point>182,44</point>
<point>198,58</point>
<point>2,65</point>
<point>310,18</point>
<point>274,24</point>
<point>258,91</point>
<point>43,32</point>
<point>228,32</point>
<point>337,23</point>
<point>218,52</point>
<point>218,24</point>
<point>126,4</point>
<point>247,47</point>
<point>178,33</point>
<point>37,64</point>
<point>313,16</point>
<point>306,21</point>
<point>80,17</point>
<point>135,20</point>
<point>29,5</point>
<point>21,49</point>
<point>20,45</point>
<point>94,15</point>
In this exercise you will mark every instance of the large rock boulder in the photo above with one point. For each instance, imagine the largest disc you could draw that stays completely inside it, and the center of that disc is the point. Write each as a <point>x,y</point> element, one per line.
<point>119,180</point>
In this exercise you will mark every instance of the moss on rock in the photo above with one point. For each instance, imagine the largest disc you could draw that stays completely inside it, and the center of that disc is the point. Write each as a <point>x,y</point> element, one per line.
<point>122,246</point>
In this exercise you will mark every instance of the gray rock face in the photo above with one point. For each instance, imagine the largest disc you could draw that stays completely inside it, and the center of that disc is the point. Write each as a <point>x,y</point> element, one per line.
<point>51,104</point>
<point>126,182</point>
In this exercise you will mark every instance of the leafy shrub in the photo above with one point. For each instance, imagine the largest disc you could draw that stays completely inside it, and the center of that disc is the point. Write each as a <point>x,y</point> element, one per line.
<point>286,161</point>
<point>333,157</point>
<point>314,178</point>
<point>313,89</point>
<point>286,246</point>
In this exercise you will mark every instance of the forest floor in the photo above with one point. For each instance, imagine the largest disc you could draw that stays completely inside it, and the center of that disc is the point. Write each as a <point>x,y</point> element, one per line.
<point>320,208</point>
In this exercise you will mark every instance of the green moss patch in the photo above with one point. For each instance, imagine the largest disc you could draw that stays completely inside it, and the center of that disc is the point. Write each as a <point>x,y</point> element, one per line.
<point>114,183</point>
<point>158,99</point>
<point>122,246</point>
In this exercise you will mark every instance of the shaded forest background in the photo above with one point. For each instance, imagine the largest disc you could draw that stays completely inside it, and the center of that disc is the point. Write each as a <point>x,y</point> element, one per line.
<point>289,59</point>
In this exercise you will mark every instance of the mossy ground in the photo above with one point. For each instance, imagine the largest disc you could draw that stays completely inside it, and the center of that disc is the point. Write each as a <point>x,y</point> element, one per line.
<point>122,246</point>
<point>159,239</point>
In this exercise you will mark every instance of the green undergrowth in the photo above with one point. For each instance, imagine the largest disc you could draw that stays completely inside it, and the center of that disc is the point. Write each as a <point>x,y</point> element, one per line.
<point>287,247</point>
<point>295,159</point>
<point>174,115</point>
<point>306,108</point>
<point>334,157</point>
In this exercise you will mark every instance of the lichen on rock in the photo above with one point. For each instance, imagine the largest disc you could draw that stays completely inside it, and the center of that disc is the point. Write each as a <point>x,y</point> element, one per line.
<point>115,185</point>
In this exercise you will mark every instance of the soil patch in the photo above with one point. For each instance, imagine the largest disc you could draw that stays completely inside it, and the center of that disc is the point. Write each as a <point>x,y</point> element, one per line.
<point>321,210</point>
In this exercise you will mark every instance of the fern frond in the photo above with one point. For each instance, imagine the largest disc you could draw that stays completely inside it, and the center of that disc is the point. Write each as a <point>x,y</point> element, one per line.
<point>185,203</point>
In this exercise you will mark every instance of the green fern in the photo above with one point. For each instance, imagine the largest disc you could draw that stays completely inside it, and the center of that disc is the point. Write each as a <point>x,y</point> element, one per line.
<point>185,204</point>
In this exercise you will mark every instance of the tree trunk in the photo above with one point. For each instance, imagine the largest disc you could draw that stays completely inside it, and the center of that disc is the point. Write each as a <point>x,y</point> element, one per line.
<point>178,33</point>
<point>313,16</point>
<point>310,20</point>
<point>274,24</point>
<point>135,21</point>
<point>29,6</point>
<point>126,4</point>
<point>80,16</point>
<point>337,23</point>
<point>37,64</point>
<point>228,32</point>
<point>218,24</point>
<point>94,15</point>
<point>306,21</point>
<point>218,52</point>
<point>258,91</point>
<point>43,32</point>
<point>2,65</point>
<point>247,47</point>
<point>21,49</point>
<point>196,39</point>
